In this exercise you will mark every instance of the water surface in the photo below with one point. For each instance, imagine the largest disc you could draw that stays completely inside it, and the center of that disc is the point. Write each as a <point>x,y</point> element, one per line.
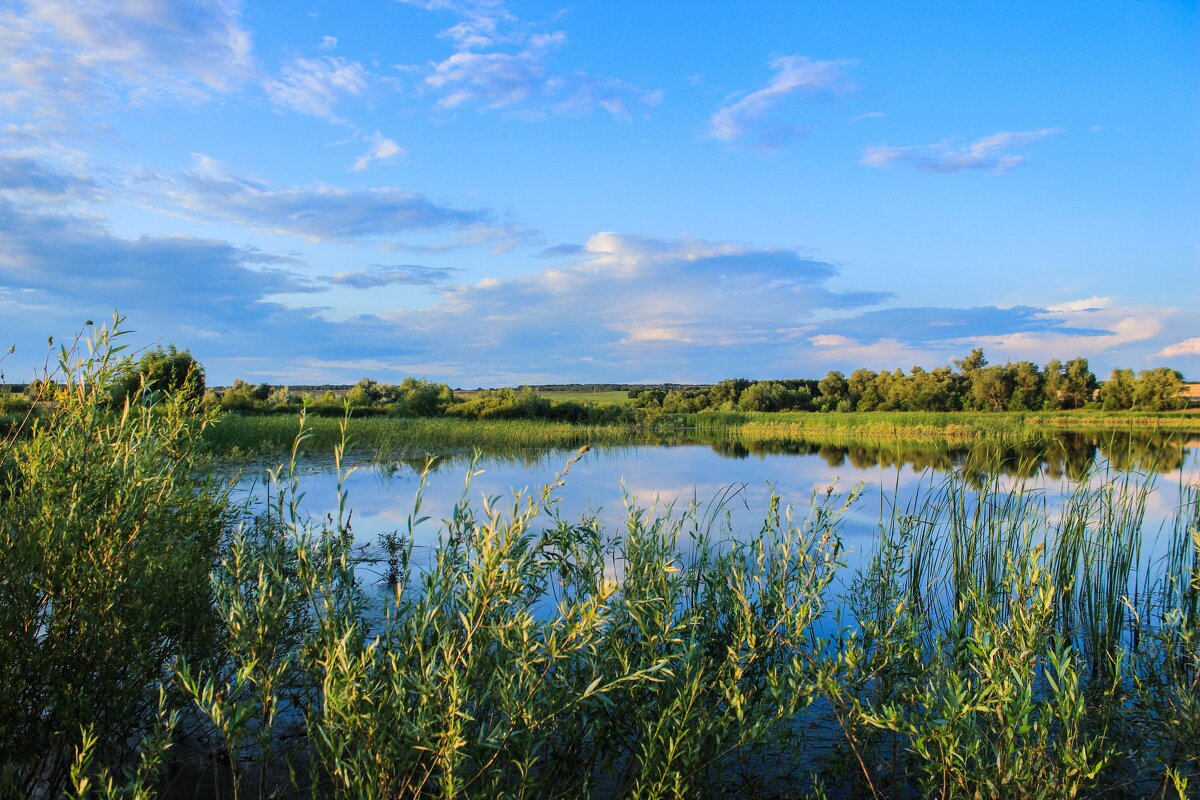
<point>733,485</point>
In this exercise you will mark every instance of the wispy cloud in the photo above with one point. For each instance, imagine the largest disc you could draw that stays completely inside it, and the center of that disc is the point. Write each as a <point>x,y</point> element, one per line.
<point>521,85</point>
<point>23,174</point>
<point>1095,327</point>
<point>404,274</point>
<point>479,22</point>
<point>315,86</point>
<point>753,116</point>
<point>58,57</point>
<point>381,149</point>
<point>326,213</point>
<point>500,66</point>
<point>993,153</point>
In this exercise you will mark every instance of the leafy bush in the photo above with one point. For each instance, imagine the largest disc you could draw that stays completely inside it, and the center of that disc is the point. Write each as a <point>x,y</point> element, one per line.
<point>106,540</point>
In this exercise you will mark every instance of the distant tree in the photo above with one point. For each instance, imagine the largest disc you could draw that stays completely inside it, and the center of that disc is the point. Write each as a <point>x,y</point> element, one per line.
<point>936,390</point>
<point>727,393</point>
<point>1159,389</point>
<point>649,398</point>
<point>1116,393</point>
<point>425,399</point>
<point>1027,393</point>
<point>162,371</point>
<point>1054,388</point>
<point>990,388</point>
<point>863,392</point>
<point>364,394</point>
<point>238,396</point>
<point>833,389</point>
<point>679,401</point>
<point>764,396</point>
<point>972,362</point>
<point>279,396</point>
<point>1079,383</point>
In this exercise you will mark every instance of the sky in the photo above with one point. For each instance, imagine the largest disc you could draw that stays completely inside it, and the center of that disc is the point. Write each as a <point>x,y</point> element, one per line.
<point>494,193</point>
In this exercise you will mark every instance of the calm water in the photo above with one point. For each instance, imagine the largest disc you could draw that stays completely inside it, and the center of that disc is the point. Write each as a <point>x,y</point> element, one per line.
<point>726,479</point>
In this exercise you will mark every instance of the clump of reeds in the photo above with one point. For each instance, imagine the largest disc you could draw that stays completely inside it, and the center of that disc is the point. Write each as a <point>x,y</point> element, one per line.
<point>999,646</point>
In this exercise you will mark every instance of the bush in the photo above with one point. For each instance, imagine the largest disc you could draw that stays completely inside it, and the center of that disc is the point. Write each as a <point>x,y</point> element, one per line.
<point>106,541</point>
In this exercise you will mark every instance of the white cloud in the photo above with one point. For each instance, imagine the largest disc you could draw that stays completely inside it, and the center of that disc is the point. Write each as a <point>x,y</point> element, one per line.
<point>405,274</point>
<point>992,152</point>
<point>321,212</point>
<point>630,303</point>
<point>479,20</point>
<point>58,57</point>
<point>1188,347</point>
<point>314,86</point>
<point>751,115</point>
<point>520,84</point>
<point>328,43</point>
<point>833,350</point>
<point>381,149</point>
<point>1093,303</point>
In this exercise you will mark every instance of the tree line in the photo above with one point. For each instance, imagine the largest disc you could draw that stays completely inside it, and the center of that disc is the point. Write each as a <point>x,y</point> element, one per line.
<point>972,384</point>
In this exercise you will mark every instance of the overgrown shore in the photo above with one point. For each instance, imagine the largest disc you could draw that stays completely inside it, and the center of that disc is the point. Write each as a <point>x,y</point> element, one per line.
<point>158,642</point>
<point>389,436</point>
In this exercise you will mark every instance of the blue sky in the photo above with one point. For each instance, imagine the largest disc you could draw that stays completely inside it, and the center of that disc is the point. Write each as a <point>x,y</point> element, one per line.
<point>492,192</point>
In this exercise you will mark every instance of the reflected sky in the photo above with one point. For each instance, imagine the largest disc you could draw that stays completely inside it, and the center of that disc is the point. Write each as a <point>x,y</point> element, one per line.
<point>737,489</point>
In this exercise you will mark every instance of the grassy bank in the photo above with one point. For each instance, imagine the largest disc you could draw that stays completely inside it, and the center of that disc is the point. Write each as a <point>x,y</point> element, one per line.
<point>955,427</point>
<point>235,433</point>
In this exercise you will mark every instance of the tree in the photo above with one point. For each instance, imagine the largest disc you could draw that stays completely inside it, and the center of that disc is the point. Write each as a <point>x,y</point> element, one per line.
<point>862,390</point>
<point>239,396</point>
<point>1079,383</point>
<point>1159,389</point>
<point>161,371</point>
<point>1054,385</point>
<point>1027,393</point>
<point>764,396</point>
<point>1116,394</point>
<point>728,391</point>
<point>991,388</point>
<point>364,394</point>
<point>833,389</point>
<point>974,361</point>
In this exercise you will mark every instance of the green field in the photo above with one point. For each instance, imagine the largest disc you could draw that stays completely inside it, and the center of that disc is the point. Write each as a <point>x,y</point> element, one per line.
<point>618,397</point>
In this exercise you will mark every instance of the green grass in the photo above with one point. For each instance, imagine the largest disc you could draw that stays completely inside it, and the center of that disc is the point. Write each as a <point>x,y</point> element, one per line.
<point>236,434</point>
<point>616,397</point>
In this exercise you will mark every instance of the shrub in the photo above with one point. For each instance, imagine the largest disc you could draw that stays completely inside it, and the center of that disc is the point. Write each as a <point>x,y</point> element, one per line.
<point>106,540</point>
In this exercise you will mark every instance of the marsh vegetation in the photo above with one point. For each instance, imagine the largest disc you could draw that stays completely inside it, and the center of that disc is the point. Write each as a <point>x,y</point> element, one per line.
<point>994,640</point>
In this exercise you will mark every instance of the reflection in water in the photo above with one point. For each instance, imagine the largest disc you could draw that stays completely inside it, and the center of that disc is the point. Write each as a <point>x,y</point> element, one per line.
<point>1070,455</point>
<point>734,479</point>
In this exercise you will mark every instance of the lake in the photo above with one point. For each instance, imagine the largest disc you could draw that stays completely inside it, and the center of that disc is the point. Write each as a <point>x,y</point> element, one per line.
<point>730,483</point>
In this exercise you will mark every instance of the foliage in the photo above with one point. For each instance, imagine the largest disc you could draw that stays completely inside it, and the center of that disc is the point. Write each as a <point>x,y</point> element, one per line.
<point>993,645</point>
<point>158,372</point>
<point>106,538</point>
